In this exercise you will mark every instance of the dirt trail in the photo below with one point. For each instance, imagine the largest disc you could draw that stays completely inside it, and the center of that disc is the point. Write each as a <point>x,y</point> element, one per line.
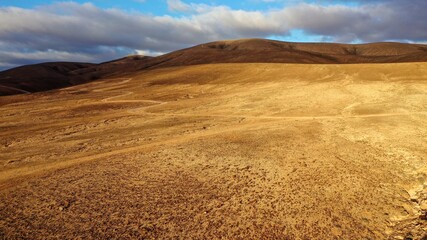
<point>345,115</point>
<point>15,89</point>
<point>11,177</point>
<point>286,118</point>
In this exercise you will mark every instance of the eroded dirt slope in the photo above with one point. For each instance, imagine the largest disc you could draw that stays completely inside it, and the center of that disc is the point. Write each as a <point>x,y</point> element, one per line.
<point>258,151</point>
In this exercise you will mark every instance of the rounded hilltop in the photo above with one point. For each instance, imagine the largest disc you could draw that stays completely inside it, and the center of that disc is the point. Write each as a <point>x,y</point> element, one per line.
<point>42,77</point>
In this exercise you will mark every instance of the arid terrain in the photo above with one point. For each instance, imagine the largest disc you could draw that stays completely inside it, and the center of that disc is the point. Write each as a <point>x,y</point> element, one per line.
<point>223,150</point>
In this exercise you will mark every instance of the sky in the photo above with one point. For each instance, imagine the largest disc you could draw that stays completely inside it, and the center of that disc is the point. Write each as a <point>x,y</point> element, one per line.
<point>101,30</point>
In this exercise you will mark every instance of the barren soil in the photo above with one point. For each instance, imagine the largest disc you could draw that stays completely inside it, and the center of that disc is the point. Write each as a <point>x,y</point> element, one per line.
<point>233,151</point>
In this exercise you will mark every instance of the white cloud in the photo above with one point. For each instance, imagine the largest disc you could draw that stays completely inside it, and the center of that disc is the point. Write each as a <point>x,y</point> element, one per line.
<point>148,52</point>
<point>84,32</point>
<point>178,6</point>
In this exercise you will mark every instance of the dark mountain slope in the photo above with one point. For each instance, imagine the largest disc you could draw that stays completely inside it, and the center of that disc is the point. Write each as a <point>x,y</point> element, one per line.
<point>47,76</point>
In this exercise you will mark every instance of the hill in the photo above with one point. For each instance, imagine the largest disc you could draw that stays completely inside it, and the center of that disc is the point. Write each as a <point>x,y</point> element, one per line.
<point>47,76</point>
<point>54,75</point>
<point>39,77</point>
<point>269,51</point>
<point>220,151</point>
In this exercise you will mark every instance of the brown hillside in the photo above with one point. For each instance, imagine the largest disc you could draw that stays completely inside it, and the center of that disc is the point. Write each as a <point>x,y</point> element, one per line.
<point>268,51</point>
<point>48,76</point>
<point>38,77</point>
<point>42,77</point>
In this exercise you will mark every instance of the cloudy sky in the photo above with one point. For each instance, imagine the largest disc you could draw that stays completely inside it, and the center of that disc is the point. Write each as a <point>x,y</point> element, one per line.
<point>100,30</point>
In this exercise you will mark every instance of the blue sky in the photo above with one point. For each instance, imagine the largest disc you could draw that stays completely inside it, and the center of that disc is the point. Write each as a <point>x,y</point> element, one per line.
<point>100,30</point>
<point>160,7</point>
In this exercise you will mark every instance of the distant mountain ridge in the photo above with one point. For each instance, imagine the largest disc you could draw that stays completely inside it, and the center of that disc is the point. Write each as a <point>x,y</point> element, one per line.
<point>48,76</point>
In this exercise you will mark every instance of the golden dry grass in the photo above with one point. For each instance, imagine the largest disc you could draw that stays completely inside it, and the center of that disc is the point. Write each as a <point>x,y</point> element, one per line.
<point>259,151</point>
